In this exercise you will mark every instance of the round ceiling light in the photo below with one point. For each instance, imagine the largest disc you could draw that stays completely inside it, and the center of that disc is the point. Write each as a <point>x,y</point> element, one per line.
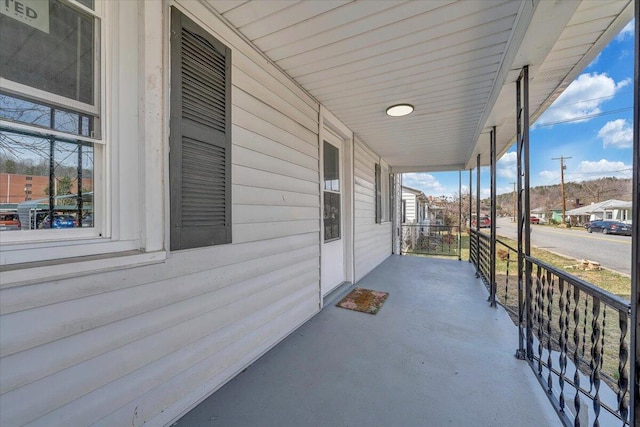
<point>399,110</point>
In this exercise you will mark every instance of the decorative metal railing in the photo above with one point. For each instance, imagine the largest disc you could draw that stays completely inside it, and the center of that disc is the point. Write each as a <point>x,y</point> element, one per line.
<point>430,239</point>
<point>578,325</point>
<point>485,256</point>
<point>573,334</point>
<point>480,254</point>
<point>473,247</point>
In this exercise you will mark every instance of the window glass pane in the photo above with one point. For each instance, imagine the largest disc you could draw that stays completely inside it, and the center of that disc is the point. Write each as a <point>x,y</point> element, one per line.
<point>331,167</point>
<point>378,191</point>
<point>384,183</point>
<point>89,3</point>
<point>331,216</point>
<point>54,52</point>
<point>45,178</point>
<point>39,114</point>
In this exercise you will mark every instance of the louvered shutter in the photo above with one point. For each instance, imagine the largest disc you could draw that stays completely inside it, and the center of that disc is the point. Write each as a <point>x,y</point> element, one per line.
<point>200,137</point>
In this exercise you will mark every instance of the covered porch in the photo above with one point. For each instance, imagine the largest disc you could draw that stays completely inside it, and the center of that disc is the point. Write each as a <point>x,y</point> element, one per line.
<point>435,354</point>
<point>440,352</point>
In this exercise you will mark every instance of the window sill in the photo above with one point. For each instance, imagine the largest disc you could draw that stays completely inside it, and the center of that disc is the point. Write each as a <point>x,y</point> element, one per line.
<point>33,272</point>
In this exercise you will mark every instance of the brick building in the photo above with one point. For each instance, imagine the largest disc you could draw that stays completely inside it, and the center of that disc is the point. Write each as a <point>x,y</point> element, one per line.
<point>17,188</point>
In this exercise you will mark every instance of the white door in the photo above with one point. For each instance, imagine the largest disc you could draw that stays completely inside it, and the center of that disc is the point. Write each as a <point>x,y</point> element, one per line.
<point>333,265</point>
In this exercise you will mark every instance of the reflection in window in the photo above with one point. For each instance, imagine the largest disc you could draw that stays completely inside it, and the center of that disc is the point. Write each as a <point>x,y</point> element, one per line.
<point>59,59</point>
<point>331,192</point>
<point>88,3</point>
<point>331,216</point>
<point>51,66</point>
<point>39,114</point>
<point>331,168</point>
<point>378,193</point>
<point>47,182</point>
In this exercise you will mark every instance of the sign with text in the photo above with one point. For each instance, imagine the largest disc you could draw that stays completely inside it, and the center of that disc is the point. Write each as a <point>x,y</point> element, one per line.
<point>34,13</point>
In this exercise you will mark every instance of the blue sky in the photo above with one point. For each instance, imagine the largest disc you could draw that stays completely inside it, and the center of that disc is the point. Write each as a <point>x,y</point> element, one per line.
<point>591,122</point>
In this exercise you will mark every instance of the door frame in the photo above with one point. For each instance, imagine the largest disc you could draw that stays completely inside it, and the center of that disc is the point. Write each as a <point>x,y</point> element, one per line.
<point>330,123</point>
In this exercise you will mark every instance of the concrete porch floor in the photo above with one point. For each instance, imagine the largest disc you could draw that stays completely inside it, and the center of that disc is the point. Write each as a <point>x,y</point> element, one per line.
<point>436,354</point>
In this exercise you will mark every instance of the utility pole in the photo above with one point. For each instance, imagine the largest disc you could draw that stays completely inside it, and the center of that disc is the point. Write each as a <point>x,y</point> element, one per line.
<point>562,168</point>
<point>514,202</point>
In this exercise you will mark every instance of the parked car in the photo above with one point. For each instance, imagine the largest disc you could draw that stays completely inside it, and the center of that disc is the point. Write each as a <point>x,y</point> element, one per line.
<point>87,221</point>
<point>534,220</point>
<point>587,224</point>
<point>9,221</point>
<point>610,227</point>
<point>59,221</point>
<point>485,222</point>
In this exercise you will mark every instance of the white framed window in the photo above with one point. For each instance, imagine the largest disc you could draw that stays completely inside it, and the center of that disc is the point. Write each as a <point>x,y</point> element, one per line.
<point>50,112</point>
<point>382,186</point>
<point>332,192</point>
<point>71,134</point>
<point>385,199</point>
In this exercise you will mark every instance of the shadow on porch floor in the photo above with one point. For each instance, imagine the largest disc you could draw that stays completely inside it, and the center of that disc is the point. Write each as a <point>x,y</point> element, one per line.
<point>435,355</point>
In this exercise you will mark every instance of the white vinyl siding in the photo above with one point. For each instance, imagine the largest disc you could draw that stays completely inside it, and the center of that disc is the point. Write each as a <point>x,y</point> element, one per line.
<point>372,241</point>
<point>410,207</point>
<point>142,345</point>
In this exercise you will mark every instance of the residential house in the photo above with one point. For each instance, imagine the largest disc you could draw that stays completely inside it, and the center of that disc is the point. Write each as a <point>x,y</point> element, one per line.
<point>540,213</point>
<point>548,214</point>
<point>415,206</point>
<point>615,210</point>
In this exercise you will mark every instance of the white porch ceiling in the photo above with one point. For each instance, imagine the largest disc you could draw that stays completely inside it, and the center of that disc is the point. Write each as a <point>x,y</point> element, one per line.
<point>455,61</point>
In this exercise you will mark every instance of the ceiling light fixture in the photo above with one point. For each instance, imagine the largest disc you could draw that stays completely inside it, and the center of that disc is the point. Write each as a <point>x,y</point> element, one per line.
<point>399,110</point>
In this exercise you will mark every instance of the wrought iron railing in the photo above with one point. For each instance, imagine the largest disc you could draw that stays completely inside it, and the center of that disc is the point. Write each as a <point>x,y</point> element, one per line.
<point>473,247</point>
<point>573,334</point>
<point>430,239</point>
<point>574,324</point>
<point>480,254</point>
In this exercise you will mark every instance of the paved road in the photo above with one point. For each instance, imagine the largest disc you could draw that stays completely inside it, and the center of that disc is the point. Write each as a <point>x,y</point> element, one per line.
<point>612,252</point>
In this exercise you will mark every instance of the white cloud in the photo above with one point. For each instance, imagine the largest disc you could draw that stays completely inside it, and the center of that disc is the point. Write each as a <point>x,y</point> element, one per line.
<point>588,170</point>
<point>583,97</point>
<point>485,193</point>
<point>550,177</point>
<point>507,166</point>
<point>617,133</point>
<point>595,60</point>
<point>507,189</point>
<point>425,182</point>
<point>627,31</point>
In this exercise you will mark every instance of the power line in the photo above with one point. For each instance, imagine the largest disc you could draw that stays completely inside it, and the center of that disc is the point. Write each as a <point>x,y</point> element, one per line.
<point>584,117</point>
<point>596,99</point>
<point>598,172</point>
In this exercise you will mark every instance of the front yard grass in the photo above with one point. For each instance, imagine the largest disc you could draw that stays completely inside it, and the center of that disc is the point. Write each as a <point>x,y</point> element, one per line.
<point>608,280</point>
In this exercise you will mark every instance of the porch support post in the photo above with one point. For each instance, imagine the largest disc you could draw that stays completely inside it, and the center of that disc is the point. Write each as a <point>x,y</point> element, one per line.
<point>524,247</point>
<point>459,215</point>
<point>470,207</point>
<point>397,214</point>
<point>492,247</point>
<point>478,215</point>
<point>635,242</point>
<point>526,221</point>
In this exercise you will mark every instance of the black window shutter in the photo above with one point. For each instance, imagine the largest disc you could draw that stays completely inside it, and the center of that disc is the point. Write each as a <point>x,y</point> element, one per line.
<point>378,194</point>
<point>200,137</point>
